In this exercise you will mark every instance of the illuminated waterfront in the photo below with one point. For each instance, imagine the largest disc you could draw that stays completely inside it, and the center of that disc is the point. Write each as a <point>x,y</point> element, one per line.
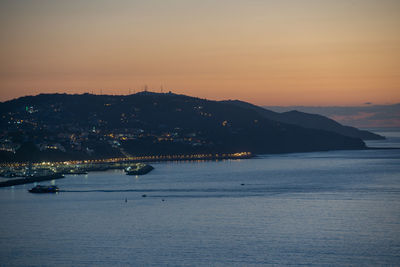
<point>77,166</point>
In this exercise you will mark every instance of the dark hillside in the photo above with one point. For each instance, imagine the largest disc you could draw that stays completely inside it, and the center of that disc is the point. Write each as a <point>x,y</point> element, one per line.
<point>65,126</point>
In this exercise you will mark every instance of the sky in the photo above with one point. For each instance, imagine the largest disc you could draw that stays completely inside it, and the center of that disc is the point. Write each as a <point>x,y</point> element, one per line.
<point>283,52</point>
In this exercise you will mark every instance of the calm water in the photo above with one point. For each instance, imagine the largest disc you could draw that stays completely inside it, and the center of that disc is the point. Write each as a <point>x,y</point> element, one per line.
<point>331,208</point>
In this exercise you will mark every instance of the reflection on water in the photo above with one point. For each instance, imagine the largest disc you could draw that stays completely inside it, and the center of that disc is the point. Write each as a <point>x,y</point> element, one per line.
<point>328,208</point>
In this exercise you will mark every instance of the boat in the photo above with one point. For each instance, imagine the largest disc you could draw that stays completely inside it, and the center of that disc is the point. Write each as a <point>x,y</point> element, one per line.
<point>44,189</point>
<point>75,172</point>
<point>138,169</point>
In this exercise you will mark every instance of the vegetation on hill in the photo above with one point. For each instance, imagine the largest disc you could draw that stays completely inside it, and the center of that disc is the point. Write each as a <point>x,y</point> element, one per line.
<point>63,126</point>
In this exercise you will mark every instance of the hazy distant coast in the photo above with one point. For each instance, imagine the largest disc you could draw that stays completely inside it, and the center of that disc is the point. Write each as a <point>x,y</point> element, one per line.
<point>366,116</point>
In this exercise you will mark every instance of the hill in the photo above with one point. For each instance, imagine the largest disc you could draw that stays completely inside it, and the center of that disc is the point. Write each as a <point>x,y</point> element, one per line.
<point>312,121</point>
<point>63,126</point>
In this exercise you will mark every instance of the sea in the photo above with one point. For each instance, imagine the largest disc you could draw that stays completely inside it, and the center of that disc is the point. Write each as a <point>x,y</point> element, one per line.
<point>334,208</point>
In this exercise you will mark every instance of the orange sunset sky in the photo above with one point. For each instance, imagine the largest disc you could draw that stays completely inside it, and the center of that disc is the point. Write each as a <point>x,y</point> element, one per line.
<point>297,52</point>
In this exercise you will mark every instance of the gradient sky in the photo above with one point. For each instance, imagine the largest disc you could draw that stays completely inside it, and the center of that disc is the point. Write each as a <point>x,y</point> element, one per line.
<point>297,52</point>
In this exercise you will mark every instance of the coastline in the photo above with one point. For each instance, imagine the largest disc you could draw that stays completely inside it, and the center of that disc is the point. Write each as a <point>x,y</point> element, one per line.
<point>29,180</point>
<point>82,167</point>
<point>216,156</point>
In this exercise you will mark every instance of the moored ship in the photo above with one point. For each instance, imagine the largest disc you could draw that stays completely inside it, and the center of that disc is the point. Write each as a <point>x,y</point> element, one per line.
<point>138,169</point>
<point>44,189</point>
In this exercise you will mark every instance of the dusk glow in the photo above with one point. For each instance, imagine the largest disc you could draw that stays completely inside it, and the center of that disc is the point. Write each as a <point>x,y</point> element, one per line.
<point>265,52</point>
<point>200,132</point>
